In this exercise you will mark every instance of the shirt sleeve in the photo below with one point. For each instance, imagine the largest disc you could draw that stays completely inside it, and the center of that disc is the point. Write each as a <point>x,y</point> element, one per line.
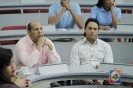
<point>75,60</point>
<point>26,58</point>
<point>77,9</point>
<point>118,14</point>
<point>52,11</point>
<point>94,12</point>
<point>53,56</point>
<point>108,54</point>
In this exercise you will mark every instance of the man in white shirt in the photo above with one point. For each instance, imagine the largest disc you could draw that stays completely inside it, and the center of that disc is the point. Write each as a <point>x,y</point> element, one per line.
<point>91,50</point>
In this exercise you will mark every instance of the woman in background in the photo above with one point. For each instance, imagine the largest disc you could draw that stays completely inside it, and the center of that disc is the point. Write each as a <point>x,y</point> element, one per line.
<point>107,14</point>
<point>8,77</point>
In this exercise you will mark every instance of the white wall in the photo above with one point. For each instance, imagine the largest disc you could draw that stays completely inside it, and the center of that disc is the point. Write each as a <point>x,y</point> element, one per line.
<point>57,1</point>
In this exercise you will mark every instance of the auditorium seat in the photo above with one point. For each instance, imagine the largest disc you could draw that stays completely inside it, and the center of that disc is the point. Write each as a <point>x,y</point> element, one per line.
<point>44,10</point>
<point>123,11</point>
<point>8,42</point>
<point>30,11</point>
<point>14,28</point>
<point>86,10</point>
<point>119,39</point>
<point>129,11</point>
<point>17,11</point>
<point>126,11</point>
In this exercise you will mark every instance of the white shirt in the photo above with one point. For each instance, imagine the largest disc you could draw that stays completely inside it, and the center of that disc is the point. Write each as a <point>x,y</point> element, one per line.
<point>84,53</point>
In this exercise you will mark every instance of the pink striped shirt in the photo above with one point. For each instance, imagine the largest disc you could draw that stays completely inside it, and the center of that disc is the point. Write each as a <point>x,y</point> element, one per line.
<point>26,54</point>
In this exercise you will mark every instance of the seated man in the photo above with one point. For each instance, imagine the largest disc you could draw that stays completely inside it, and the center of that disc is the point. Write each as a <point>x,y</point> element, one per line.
<point>34,49</point>
<point>91,50</point>
<point>65,15</point>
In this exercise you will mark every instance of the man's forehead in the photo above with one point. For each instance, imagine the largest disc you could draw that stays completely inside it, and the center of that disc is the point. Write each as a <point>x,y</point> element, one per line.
<point>93,25</point>
<point>36,24</point>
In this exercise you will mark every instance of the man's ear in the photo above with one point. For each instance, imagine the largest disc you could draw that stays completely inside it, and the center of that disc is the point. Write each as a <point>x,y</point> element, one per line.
<point>84,29</point>
<point>28,31</point>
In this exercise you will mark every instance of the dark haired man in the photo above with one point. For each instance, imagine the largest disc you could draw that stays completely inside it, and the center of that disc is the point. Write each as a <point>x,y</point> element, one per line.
<point>91,50</point>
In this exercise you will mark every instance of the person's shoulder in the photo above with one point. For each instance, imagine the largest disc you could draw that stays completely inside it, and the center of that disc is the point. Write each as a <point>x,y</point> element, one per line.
<point>79,43</point>
<point>96,8</point>
<point>55,6</point>
<point>74,4</point>
<point>117,9</point>
<point>22,41</point>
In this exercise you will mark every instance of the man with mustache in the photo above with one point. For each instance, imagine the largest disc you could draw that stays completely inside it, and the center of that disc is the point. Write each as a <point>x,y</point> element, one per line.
<point>65,15</point>
<point>34,49</point>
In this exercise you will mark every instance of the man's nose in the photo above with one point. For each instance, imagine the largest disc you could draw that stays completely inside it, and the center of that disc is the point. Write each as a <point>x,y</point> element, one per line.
<point>39,30</point>
<point>92,30</point>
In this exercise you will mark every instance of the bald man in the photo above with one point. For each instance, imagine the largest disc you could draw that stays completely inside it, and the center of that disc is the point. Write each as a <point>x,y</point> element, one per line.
<point>34,49</point>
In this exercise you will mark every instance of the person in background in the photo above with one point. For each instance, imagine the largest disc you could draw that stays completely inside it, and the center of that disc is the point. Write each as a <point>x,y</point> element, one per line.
<point>8,77</point>
<point>34,49</point>
<point>107,14</point>
<point>91,51</point>
<point>65,15</point>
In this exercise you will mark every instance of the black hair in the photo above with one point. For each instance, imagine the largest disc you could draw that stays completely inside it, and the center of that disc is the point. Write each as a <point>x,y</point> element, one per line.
<point>100,3</point>
<point>29,27</point>
<point>5,59</point>
<point>91,20</point>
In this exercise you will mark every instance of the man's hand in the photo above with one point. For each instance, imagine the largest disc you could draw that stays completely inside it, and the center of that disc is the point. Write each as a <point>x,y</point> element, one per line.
<point>64,9</point>
<point>47,43</point>
<point>86,82</point>
<point>43,41</point>
<point>97,66</point>
<point>100,82</point>
<point>106,28</point>
<point>66,5</point>
<point>40,41</point>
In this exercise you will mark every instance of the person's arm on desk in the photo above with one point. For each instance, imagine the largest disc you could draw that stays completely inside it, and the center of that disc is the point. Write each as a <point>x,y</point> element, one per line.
<point>104,27</point>
<point>53,56</point>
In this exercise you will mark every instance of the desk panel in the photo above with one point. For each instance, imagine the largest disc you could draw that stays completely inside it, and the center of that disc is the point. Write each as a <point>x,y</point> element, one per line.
<point>77,72</point>
<point>95,86</point>
<point>122,32</point>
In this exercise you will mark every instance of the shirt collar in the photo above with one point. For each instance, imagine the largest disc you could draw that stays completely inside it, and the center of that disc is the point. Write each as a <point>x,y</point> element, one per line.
<point>29,40</point>
<point>85,41</point>
<point>103,10</point>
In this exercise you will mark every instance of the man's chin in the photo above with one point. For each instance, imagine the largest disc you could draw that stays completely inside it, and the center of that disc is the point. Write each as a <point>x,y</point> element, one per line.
<point>91,39</point>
